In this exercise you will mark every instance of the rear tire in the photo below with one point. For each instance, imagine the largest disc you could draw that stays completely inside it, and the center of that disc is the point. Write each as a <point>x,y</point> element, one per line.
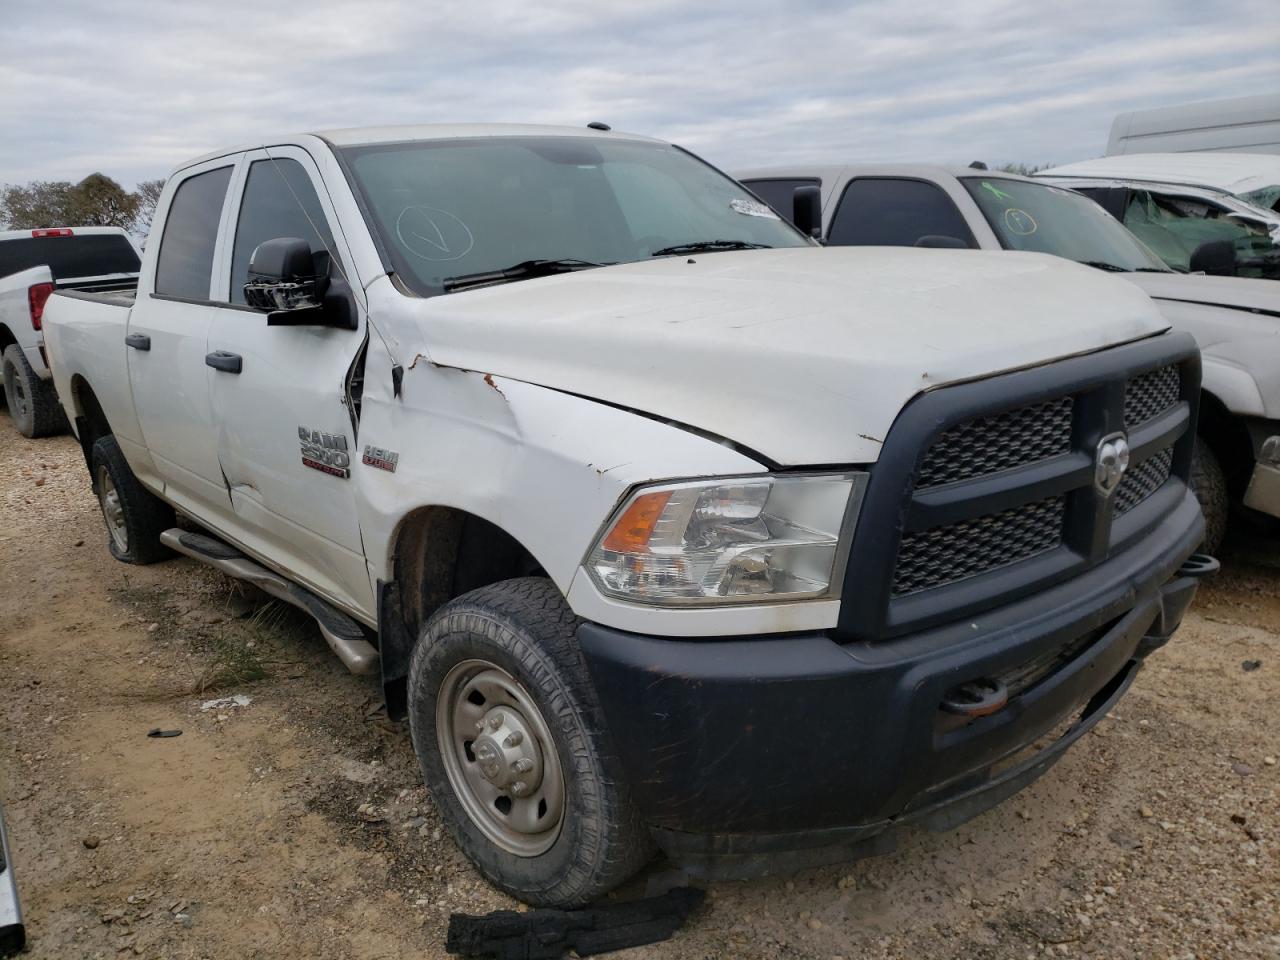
<point>33,403</point>
<point>505,658</point>
<point>135,517</point>
<point>1209,484</point>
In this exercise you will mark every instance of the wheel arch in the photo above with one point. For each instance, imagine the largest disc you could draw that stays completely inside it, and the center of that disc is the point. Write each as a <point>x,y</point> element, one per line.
<point>7,338</point>
<point>437,553</point>
<point>89,420</point>
<point>1226,435</point>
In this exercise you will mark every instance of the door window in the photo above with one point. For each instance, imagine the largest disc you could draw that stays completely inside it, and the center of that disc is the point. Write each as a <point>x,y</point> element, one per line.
<point>185,266</point>
<point>279,201</point>
<point>780,194</point>
<point>892,212</point>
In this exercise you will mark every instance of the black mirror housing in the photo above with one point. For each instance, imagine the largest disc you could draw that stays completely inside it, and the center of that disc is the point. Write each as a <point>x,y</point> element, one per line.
<point>806,210</point>
<point>285,259</point>
<point>1217,257</point>
<point>294,288</point>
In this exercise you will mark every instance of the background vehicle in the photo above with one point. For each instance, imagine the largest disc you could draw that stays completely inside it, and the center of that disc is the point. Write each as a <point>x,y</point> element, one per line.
<point>1236,321</point>
<point>1235,125</point>
<point>668,527</point>
<point>34,263</point>
<point>1157,199</point>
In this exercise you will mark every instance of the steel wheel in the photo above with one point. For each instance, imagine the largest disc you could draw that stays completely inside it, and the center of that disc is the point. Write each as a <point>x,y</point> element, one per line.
<point>499,757</point>
<point>112,510</point>
<point>18,398</point>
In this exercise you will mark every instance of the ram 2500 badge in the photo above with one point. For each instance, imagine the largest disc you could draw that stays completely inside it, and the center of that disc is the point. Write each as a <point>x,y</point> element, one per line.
<point>664,527</point>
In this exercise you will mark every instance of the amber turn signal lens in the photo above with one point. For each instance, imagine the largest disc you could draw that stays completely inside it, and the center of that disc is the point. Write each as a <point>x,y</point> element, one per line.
<point>634,528</point>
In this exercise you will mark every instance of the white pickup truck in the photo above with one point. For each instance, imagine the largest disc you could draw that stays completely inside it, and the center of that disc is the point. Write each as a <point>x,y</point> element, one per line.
<point>34,263</point>
<point>661,524</point>
<point>1235,320</point>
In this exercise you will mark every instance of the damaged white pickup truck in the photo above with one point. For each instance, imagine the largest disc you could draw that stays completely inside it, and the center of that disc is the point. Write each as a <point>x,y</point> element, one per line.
<point>664,527</point>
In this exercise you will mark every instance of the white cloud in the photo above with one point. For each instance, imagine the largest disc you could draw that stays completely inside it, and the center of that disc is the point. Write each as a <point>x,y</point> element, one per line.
<point>134,87</point>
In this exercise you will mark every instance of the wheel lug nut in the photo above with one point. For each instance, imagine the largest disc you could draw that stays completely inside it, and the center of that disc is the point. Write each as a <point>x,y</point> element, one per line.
<point>479,726</point>
<point>523,765</point>
<point>496,721</point>
<point>514,739</point>
<point>518,789</point>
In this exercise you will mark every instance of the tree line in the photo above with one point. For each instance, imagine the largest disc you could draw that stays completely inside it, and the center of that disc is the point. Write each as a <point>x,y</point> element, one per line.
<point>96,201</point>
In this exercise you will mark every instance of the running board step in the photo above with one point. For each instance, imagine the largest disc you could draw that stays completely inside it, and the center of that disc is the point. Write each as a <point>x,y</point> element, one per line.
<point>344,636</point>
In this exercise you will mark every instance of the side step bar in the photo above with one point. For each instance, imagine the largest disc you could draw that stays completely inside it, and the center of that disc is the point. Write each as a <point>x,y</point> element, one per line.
<point>344,636</point>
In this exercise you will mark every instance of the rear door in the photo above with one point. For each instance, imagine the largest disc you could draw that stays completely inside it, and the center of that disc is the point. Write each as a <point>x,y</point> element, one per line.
<point>286,436</point>
<point>167,341</point>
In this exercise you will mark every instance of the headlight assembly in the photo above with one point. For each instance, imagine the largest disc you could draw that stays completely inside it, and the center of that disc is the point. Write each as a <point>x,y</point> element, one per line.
<point>764,538</point>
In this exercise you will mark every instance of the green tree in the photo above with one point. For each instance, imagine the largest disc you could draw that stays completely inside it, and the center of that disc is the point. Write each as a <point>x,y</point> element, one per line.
<point>98,201</point>
<point>148,194</point>
<point>41,203</point>
<point>1023,169</point>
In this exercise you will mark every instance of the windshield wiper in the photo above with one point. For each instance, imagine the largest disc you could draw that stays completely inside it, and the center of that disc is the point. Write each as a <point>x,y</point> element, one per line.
<point>704,246</point>
<point>1103,265</point>
<point>525,270</point>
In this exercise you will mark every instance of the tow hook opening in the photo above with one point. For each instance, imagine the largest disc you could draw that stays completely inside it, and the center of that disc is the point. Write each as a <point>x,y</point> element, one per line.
<point>1199,565</point>
<point>976,698</point>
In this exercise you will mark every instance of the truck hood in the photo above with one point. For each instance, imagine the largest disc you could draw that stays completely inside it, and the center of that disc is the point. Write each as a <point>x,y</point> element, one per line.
<point>803,355</point>
<point>1244,293</point>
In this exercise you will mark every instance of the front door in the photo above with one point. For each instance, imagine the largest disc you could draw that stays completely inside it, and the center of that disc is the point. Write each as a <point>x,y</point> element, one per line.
<point>286,435</point>
<point>167,338</point>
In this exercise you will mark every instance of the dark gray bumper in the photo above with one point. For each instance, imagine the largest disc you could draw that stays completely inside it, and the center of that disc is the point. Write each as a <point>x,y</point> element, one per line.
<point>12,933</point>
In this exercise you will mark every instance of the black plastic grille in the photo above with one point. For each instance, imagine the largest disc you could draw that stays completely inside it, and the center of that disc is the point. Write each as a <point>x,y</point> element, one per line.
<point>1151,394</point>
<point>1143,480</point>
<point>961,550</point>
<point>1001,441</point>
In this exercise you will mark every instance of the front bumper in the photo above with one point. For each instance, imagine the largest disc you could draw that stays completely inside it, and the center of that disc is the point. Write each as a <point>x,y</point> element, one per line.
<point>12,932</point>
<point>758,754</point>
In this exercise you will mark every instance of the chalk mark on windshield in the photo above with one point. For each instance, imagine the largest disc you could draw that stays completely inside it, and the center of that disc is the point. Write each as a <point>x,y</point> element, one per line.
<point>432,234</point>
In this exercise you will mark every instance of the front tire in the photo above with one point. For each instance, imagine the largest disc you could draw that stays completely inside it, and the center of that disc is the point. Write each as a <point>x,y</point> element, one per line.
<point>513,744</point>
<point>1209,484</point>
<point>33,403</point>
<point>135,517</point>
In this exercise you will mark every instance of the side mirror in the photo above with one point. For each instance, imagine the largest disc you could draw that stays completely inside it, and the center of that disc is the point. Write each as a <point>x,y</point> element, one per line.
<point>806,210</point>
<point>941,241</point>
<point>294,288</point>
<point>1217,257</point>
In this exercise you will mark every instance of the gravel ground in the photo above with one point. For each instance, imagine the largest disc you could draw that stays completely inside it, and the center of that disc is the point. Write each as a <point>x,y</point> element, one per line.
<point>297,826</point>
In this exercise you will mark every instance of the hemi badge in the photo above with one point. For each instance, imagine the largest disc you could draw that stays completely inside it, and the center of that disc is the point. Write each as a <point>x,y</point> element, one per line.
<point>380,458</point>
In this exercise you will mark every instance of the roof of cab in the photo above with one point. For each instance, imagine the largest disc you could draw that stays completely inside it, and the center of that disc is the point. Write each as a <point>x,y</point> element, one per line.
<point>402,133</point>
<point>830,171</point>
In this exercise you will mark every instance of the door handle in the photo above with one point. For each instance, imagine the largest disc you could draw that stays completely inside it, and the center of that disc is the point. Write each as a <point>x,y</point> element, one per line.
<point>222,360</point>
<point>139,341</point>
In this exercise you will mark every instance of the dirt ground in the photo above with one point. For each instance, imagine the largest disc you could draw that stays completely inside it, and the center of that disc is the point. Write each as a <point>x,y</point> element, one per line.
<point>297,826</point>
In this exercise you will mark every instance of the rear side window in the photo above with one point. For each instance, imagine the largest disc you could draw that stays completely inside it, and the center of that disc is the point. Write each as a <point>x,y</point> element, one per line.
<point>69,258</point>
<point>780,194</point>
<point>185,266</point>
<point>279,201</point>
<point>891,212</point>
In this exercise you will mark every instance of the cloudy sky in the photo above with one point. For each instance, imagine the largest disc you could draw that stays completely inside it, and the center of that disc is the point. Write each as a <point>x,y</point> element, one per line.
<point>132,87</point>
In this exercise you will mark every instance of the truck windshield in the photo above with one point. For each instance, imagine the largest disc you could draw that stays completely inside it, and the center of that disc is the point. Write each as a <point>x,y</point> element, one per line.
<point>465,208</point>
<point>1044,219</point>
<point>83,255</point>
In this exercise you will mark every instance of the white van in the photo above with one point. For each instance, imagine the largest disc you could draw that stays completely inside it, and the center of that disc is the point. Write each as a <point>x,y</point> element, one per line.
<point>1236,124</point>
